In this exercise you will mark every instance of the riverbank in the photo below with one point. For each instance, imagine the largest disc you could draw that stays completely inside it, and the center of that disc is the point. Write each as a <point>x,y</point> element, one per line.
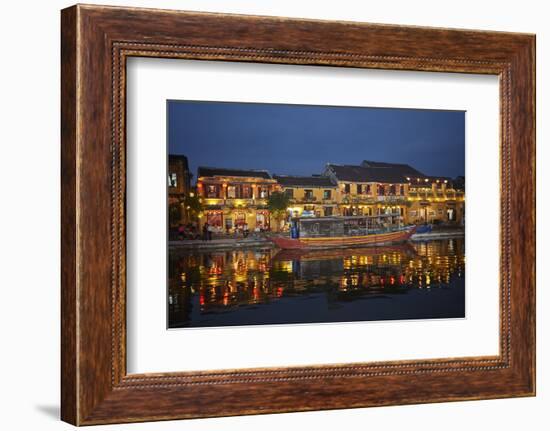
<point>438,234</point>
<point>222,244</point>
<point>256,241</point>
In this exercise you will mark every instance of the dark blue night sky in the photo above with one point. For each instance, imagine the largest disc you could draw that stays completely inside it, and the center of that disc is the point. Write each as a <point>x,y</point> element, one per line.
<point>301,139</point>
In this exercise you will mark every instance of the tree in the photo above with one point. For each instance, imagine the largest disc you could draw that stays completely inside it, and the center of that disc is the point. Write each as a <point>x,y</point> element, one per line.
<point>193,206</point>
<point>277,204</point>
<point>174,213</point>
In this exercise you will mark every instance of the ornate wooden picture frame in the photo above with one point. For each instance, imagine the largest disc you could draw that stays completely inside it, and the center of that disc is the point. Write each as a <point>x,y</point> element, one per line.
<point>96,41</point>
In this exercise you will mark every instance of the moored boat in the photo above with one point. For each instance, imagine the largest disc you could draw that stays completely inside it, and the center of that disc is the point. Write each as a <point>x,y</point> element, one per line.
<point>338,232</point>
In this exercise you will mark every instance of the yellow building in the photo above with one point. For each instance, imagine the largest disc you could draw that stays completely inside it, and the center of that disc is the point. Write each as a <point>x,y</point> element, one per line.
<point>314,196</point>
<point>369,191</point>
<point>431,199</point>
<point>435,199</point>
<point>374,188</point>
<point>235,198</point>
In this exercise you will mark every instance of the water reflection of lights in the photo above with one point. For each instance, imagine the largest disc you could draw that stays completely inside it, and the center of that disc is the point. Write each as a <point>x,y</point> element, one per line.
<point>234,278</point>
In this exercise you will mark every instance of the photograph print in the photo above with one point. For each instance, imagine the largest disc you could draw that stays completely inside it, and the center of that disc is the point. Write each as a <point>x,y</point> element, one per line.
<point>303,214</point>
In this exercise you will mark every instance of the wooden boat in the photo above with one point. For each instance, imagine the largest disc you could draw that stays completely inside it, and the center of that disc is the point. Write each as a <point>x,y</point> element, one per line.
<point>339,232</point>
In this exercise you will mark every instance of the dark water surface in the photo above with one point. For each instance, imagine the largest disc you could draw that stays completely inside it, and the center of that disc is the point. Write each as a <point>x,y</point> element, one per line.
<point>420,280</point>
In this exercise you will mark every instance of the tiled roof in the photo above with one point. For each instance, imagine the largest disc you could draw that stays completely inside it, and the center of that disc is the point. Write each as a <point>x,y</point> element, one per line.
<point>311,181</point>
<point>459,183</point>
<point>400,168</point>
<point>225,172</point>
<point>366,174</point>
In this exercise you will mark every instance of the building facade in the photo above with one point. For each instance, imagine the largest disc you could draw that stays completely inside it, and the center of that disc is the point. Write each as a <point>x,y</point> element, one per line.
<point>313,196</point>
<point>369,191</point>
<point>430,199</point>
<point>435,200</point>
<point>234,198</point>
<point>375,188</point>
<point>179,187</point>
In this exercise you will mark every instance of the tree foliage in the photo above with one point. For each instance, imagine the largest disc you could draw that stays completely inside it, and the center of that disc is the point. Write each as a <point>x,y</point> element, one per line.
<point>277,204</point>
<point>193,206</point>
<point>174,214</point>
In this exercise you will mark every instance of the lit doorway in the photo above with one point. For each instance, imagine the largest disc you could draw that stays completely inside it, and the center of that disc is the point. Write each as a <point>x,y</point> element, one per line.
<point>451,214</point>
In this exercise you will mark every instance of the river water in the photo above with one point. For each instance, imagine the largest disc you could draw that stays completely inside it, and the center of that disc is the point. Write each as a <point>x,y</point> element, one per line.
<point>420,280</point>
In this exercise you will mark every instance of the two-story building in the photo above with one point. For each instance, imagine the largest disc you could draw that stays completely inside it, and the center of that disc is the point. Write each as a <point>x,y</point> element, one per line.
<point>179,186</point>
<point>232,198</point>
<point>374,188</point>
<point>435,199</point>
<point>430,198</point>
<point>368,190</point>
<point>315,196</point>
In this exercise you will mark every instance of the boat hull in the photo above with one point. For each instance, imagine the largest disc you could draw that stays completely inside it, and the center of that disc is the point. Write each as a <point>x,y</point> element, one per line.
<point>340,242</point>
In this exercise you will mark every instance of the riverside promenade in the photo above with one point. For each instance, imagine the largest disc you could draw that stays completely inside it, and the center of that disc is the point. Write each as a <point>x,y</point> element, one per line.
<point>223,243</point>
<point>443,232</point>
<point>230,242</point>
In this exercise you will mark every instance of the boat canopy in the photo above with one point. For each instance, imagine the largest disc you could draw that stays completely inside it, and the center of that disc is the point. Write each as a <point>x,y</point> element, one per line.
<point>314,227</point>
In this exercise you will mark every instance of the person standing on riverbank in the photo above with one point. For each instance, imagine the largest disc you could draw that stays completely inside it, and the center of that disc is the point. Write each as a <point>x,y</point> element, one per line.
<point>205,232</point>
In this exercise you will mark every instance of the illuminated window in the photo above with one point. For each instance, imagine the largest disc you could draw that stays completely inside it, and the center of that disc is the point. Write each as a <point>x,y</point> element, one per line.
<point>262,219</point>
<point>212,191</point>
<point>246,192</point>
<point>172,180</point>
<point>231,192</point>
<point>327,194</point>
<point>214,218</point>
<point>263,192</point>
<point>308,194</point>
<point>240,219</point>
<point>451,214</point>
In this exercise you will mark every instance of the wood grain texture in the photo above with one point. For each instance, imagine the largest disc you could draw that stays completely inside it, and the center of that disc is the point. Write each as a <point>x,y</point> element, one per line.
<point>96,41</point>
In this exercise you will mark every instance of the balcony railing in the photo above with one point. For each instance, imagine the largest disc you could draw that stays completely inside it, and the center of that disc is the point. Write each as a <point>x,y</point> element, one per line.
<point>364,198</point>
<point>213,201</point>
<point>303,199</point>
<point>449,195</point>
<point>390,198</point>
<point>235,202</point>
